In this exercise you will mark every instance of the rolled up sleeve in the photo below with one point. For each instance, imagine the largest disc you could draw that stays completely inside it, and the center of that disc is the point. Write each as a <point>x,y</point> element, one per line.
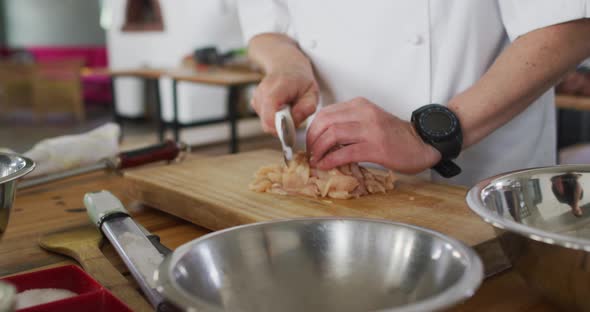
<point>263,16</point>
<point>523,16</point>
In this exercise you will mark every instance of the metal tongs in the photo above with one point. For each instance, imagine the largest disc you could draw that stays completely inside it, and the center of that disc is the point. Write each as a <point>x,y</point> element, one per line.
<point>286,131</point>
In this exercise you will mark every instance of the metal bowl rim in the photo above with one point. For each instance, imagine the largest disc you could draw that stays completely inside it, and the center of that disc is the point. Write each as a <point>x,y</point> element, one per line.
<point>476,204</point>
<point>29,166</point>
<point>463,289</point>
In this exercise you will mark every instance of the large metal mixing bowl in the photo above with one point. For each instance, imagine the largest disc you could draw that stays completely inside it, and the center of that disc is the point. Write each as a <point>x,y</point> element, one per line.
<point>542,216</point>
<point>12,167</point>
<point>320,264</point>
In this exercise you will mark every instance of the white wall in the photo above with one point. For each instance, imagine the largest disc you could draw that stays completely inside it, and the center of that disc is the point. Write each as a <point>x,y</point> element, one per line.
<point>52,22</point>
<point>188,24</point>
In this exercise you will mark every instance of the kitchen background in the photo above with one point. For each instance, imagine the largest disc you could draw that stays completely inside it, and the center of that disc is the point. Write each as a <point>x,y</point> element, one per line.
<point>36,32</point>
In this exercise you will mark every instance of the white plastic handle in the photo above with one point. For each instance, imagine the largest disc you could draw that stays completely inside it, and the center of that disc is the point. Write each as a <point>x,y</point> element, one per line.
<point>286,130</point>
<point>101,204</point>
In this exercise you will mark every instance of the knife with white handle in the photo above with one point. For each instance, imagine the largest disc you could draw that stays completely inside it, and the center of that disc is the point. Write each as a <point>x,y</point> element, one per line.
<point>286,131</point>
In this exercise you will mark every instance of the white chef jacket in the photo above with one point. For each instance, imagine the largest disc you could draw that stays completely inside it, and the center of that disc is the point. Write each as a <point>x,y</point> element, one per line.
<point>404,54</point>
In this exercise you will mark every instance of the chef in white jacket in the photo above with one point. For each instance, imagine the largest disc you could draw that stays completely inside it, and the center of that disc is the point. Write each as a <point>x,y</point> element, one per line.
<point>371,64</point>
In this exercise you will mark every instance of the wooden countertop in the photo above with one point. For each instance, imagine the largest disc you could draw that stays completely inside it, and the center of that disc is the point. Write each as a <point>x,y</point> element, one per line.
<point>228,76</point>
<point>581,103</point>
<point>59,205</point>
<point>215,76</point>
<point>219,76</point>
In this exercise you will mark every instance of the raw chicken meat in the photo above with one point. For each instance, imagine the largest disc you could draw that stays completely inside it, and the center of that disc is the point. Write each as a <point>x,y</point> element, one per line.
<point>298,177</point>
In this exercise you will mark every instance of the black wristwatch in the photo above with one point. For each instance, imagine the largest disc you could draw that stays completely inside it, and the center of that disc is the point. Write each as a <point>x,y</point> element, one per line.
<point>439,126</point>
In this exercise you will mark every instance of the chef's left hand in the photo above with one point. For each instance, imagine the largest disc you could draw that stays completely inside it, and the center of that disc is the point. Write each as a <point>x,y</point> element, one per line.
<point>358,130</point>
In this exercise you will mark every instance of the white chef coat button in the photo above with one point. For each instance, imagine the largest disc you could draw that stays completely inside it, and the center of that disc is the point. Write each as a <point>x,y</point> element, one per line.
<point>415,40</point>
<point>312,44</point>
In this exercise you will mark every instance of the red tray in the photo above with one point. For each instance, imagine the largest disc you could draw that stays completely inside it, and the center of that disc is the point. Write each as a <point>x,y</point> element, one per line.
<point>92,297</point>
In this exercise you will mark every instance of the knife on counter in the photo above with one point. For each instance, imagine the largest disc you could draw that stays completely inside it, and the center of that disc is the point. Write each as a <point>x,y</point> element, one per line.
<point>167,151</point>
<point>286,132</point>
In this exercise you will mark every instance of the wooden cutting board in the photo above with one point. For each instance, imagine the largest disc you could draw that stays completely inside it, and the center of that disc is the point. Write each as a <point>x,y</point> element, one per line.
<point>213,192</point>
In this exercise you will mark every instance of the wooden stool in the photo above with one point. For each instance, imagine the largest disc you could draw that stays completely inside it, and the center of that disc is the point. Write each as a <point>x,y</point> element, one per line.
<point>57,87</point>
<point>15,86</point>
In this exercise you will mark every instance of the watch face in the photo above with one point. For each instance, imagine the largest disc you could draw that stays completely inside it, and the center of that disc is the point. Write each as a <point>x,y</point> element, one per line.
<point>438,123</point>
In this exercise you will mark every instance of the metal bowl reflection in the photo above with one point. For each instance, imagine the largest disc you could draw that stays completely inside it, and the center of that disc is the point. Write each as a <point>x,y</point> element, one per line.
<point>320,264</point>
<point>542,216</point>
<point>12,167</point>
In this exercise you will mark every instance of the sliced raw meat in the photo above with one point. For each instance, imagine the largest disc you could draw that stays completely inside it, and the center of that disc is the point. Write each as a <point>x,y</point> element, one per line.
<point>298,177</point>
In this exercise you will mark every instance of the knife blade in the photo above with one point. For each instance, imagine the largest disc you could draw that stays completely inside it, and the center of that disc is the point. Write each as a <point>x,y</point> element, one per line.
<point>286,132</point>
<point>137,252</point>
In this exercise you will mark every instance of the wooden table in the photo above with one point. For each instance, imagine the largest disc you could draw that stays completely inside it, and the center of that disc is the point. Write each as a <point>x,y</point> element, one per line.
<point>233,79</point>
<point>572,119</point>
<point>59,206</point>
<point>581,103</point>
<point>148,75</point>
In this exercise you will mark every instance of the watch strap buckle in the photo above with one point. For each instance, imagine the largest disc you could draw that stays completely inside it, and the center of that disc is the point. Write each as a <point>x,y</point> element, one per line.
<point>447,168</point>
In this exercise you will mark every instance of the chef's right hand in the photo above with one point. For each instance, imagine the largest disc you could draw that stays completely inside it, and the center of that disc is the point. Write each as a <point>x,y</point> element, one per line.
<point>295,86</point>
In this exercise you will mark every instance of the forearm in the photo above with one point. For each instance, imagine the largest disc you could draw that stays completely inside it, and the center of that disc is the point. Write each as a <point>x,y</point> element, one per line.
<point>276,53</point>
<point>524,71</point>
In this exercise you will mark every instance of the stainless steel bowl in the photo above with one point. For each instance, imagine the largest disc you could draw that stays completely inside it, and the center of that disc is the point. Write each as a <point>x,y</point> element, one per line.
<point>542,216</point>
<point>320,264</point>
<point>12,167</point>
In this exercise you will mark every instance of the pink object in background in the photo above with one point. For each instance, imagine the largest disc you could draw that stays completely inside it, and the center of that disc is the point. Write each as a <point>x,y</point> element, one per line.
<point>94,56</point>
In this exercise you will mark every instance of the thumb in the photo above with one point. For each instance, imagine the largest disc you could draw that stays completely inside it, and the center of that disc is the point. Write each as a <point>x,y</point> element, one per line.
<point>304,107</point>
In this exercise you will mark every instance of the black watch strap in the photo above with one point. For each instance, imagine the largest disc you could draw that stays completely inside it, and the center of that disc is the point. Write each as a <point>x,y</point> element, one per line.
<point>447,168</point>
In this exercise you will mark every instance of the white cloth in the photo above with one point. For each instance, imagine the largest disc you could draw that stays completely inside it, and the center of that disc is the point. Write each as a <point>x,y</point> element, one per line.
<point>405,54</point>
<point>73,151</point>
